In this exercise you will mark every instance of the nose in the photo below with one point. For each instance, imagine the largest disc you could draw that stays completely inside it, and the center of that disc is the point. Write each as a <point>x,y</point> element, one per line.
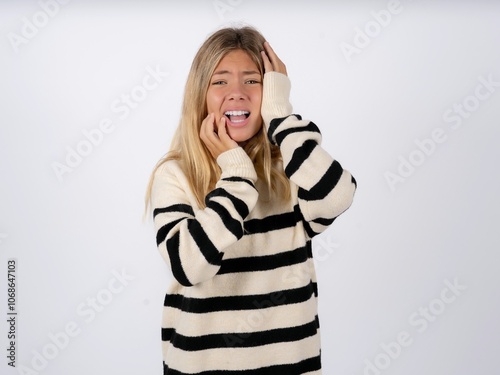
<point>237,91</point>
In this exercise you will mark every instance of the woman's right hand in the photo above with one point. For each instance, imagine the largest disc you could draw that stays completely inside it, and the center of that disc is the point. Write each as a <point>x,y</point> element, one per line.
<point>215,137</point>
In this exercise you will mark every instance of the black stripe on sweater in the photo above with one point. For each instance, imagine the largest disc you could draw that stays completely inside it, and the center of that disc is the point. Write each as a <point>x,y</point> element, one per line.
<point>270,223</point>
<point>277,122</point>
<point>239,340</point>
<point>247,302</point>
<point>325,185</point>
<point>239,179</point>
<point>175,260</point>
<point>233,225</point>
<point>302,367</point>
<point>266,262</point>
<point>174,208</point>
<point>324,221</point>
<point>306,225</point>
<point>207,248</point>
<point>299,156</point>
<point>280,136</point>
<point>238,204</point>
<point>311,127</point>
<point>162,232</point>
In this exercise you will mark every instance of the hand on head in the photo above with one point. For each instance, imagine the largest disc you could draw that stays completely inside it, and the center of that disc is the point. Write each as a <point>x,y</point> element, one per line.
<point>272,62</point>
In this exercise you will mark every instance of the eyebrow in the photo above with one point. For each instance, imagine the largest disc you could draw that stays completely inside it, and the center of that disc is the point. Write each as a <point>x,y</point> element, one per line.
<point>246,72</point>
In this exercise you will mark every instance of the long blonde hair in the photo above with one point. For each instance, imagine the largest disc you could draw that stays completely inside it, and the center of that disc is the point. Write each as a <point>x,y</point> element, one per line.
<point>187,148</point>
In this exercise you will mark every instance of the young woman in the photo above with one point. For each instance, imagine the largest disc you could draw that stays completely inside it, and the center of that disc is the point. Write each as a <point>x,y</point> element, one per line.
<point>236,202</point>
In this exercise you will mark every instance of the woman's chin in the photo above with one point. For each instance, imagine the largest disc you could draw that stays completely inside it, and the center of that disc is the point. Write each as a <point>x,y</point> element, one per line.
<point>242,135</point>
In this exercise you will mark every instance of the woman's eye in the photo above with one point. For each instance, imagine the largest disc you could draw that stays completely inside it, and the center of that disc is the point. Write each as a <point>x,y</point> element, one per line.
<point>218,83</point>
<point>252,81</point>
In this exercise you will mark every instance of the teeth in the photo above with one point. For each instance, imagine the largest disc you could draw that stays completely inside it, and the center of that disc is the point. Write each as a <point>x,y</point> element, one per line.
<point>236,113</point>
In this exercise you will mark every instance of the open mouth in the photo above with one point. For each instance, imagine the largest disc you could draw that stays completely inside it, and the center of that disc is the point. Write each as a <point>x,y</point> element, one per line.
<point>237,116</point>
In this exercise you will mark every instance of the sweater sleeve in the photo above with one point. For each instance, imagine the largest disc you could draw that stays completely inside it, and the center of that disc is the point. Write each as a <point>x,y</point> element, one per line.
<point>325,189</point>
<point>192,241</point>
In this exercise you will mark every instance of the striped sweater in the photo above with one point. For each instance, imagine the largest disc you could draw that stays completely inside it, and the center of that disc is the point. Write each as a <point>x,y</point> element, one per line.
<point>244,295</point>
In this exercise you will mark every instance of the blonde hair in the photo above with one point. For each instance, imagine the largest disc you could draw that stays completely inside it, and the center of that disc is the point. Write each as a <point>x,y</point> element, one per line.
<point>197,163</point>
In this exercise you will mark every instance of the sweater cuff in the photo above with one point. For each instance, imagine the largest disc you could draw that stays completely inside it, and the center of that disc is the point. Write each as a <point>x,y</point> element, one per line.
<point>275,97</point>
<point>236,163</point>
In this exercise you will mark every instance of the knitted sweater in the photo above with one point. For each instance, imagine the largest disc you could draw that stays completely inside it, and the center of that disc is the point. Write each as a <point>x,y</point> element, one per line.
<point>244,296</point>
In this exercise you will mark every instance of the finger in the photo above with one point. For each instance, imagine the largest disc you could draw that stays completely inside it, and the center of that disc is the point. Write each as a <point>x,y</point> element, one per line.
<point>272,55</point>
<point>277,64</point>
<point>207,133</point>
<point>224,136</point>
<point>203,127</point>
<point>221,128</point>
<point>270,52</point>
<point>211,128</point>
<point>214,126</point>
<point>268,67</point>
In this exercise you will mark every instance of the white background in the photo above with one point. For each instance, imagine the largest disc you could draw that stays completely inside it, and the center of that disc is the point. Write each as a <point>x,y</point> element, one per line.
<point>386,258</point>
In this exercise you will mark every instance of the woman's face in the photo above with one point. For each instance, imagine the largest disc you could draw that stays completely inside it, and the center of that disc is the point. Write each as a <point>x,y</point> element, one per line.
<point>235,91</point>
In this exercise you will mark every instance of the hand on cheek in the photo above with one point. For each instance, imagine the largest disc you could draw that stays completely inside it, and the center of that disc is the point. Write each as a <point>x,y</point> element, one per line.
<point>214,135</point>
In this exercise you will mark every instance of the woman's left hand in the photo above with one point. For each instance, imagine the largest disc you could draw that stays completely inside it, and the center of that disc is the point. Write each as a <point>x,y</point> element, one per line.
<point>272,62</point>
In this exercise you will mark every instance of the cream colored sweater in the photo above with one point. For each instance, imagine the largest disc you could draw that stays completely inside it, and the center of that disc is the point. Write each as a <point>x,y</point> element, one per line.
<point>244,298</point>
